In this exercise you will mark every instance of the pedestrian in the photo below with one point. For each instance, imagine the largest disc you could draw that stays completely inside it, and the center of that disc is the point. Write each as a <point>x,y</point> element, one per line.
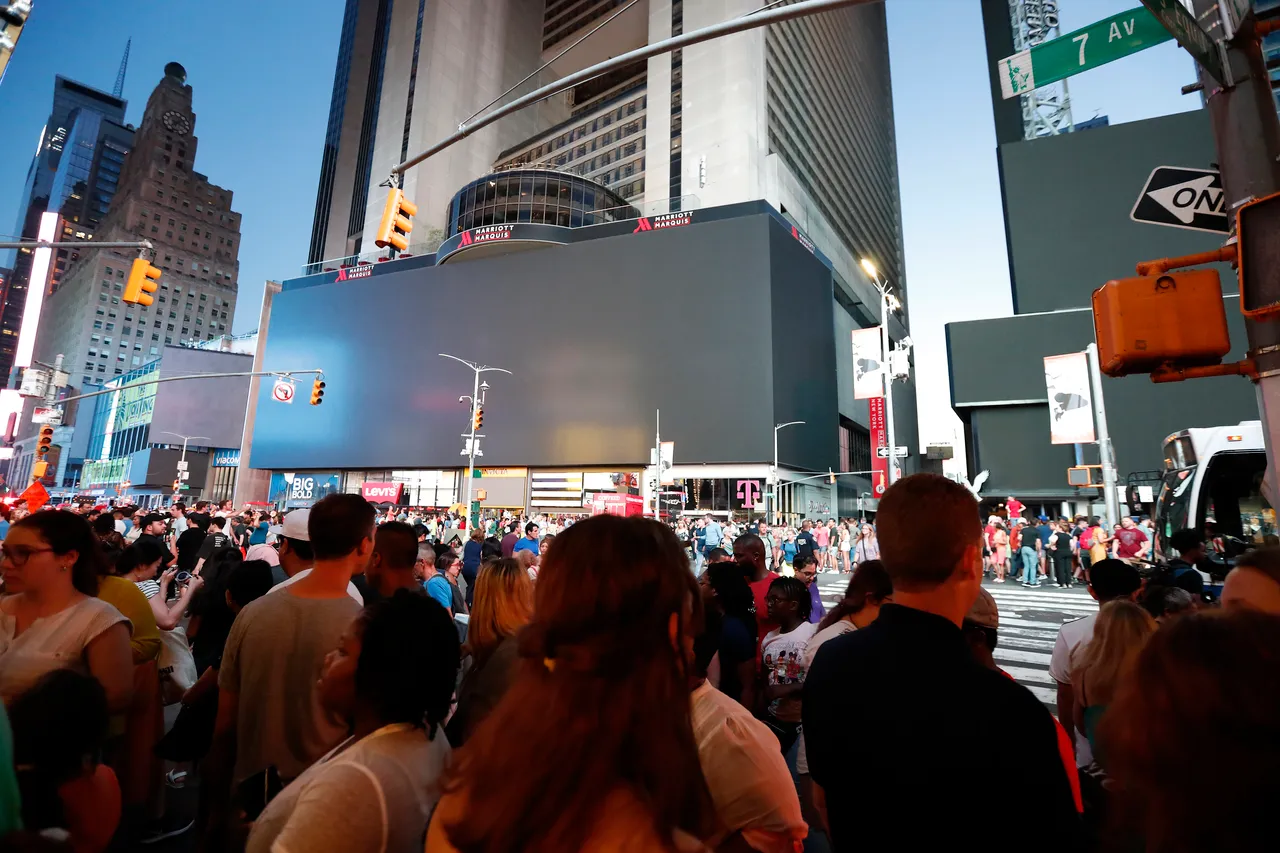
<point>846,544</point>
<point>1130,542</point>
<point>1254,583</point>
<point>187,546</point>
<point>1108,580</point>
<point>214,540</point>
<point>1059,556</point>
<point>530,540</point>
<point>510,538</point>
<point>153,530</point>
<point>868,590</point>
<point>822,541</point>
<point>51,616</point>
<point>782,657</point>
<point>710,536</point>
<point>755,801</point>
<point>1000,551</point>
<point>867,546</point>
<point>297,555</point>
<point>471,560</point>
<point>1200,711</point>
<point>391,567</point>
<point>503,605</point>
<point>748,552</point>
<point>788,553</point>
<point>981,627</point>
<point>1046,531</point>
<point>614,622</point>
<point>270,718</point>
<point>449,567</point>
<point>1029,543</point>
<point>391,679</point>
<point>725,591</point>
<point>806,542</point>
<point>888,679</point>
<point>808,574</point>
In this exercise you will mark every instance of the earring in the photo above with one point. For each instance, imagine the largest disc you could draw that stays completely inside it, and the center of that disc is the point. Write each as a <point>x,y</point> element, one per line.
<point>64,567</point>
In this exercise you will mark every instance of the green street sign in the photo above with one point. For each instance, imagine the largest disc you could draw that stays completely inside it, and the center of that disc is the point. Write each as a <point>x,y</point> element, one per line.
<point>1184,27</point>
<point>1088,47</point>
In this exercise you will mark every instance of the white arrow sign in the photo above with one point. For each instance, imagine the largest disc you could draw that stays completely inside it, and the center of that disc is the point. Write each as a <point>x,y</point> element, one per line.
<point>1183,197</point>
<point>898,452</point>
<point>1186,199</point>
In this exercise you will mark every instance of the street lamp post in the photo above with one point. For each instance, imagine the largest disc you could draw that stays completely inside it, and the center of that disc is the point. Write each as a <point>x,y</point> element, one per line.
<point>887,301</point>
<point>476,402</point>
<point>182,465</point>
<point>773,499</point>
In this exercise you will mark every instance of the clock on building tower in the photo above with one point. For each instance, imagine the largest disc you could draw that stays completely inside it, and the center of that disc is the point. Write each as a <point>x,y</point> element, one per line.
<point>176,122</point>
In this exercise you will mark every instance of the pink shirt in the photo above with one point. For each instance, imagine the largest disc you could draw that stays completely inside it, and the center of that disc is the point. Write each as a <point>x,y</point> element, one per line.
<point>821,537</point>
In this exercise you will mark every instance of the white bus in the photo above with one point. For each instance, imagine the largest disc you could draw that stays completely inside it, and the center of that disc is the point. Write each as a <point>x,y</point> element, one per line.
<point>1215,475</point>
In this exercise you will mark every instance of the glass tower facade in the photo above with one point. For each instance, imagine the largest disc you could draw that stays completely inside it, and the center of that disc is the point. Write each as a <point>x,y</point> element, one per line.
<point>540,196</point>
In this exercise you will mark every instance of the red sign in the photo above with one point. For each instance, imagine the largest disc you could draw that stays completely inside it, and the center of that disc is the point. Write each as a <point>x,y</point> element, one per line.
<point>615,504</point>
<point>36,496</point>
<point>382,493</point>
<point>879,439</point>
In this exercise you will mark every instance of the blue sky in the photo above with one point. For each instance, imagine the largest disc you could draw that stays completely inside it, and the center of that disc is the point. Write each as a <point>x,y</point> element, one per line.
<point>262,78</point>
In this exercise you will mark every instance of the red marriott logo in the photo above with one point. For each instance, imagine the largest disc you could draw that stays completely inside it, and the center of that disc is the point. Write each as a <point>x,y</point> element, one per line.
<point>666,220</point>
<point>348,273</point>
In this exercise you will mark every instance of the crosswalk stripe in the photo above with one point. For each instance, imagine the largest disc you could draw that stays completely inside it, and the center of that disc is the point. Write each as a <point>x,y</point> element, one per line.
<point>1026,645</point>
<point>1023,674</point>
<point>1021,656</point>
<point>1067,601</point>
<point>1047,695</point>
<point>1026,623</point>
<point>1037,633</point>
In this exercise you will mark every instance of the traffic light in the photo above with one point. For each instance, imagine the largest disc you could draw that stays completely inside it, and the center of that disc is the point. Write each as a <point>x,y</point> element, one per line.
<point>831,477</point>
<point>397,221</point>
<point>177,485</point>
<point>477,420</point>
<point>1175,319</point>
<point>38,470</point>
<point>317,391</point>
<point>44,441</point>
<point>141,283</point>
<point>1257,239</point>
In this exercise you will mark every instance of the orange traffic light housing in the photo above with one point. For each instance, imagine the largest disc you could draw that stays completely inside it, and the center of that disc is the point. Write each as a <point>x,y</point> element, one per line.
<point>44,441</point>
<point>1258,251</point>
<point>39,470</point>
<point>317,391</point>
<point>397,221</point>
<point>1174,319</point>
<point>141,283</point>
<point>477,420</point>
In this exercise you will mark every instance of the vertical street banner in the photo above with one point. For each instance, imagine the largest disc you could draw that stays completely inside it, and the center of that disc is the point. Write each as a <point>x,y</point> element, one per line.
<point>879,439</point>
<point>1066,377</point>
<point>867,364</point>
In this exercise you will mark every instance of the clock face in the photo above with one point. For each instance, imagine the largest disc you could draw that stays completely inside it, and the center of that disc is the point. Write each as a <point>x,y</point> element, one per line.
<point>176,122</point>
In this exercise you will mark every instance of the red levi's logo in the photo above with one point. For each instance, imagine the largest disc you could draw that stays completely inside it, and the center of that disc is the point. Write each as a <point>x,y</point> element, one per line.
<point>381,492</point>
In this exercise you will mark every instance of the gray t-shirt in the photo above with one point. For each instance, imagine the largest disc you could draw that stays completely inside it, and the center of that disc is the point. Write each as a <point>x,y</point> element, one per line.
<point>272,660</point>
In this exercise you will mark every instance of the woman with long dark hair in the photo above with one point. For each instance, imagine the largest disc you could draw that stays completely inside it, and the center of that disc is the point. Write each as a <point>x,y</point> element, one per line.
<point>49,616</point>
<point>725,592</point>
<point>592,746</point>
<point>392,678</point>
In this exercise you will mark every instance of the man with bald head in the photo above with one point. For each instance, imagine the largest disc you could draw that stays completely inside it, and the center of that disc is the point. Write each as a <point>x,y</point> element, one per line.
<point>749,552</point>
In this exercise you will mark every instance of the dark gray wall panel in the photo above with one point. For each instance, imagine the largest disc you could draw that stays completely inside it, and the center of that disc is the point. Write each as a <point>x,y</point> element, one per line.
<point>1068,200</point>
<point>210,407</point>
<point>599,335</point>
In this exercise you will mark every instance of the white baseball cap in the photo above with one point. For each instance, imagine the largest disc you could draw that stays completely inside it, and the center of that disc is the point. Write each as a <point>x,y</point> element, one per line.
<point>295,525</point>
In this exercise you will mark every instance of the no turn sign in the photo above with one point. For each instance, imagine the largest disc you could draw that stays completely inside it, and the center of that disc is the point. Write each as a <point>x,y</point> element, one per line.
<point>282,391</point>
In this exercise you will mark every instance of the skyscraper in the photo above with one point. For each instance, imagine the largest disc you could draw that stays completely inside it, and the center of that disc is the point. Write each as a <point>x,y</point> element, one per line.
<point>799,114</point>
<point>89,118</point>
<point>159,197</point>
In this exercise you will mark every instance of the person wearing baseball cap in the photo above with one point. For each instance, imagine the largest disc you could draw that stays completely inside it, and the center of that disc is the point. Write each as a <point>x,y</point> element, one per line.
<point>981,627</point>
<point>296,555</point>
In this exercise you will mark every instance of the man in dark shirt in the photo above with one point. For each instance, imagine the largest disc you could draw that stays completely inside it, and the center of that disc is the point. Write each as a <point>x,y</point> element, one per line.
<point>805,542</point>
<point>215,540</point>
<point>922,707</point>
<point>509,541</point>
<point>190,540</point>
<point>153,530</point>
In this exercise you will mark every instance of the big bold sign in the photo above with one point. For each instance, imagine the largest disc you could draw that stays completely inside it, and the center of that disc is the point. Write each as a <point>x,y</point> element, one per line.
<point>879,438</point>
<point>381,493</point>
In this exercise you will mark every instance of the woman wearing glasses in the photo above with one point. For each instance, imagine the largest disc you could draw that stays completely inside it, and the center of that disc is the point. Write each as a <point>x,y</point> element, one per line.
<point>49,617</point>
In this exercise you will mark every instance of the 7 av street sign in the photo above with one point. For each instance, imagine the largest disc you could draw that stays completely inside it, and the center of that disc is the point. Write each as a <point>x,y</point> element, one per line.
<point>1088,47</point>
<point>1183,198</point>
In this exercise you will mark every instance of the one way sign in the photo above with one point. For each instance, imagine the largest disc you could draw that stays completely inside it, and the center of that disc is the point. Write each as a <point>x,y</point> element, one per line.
<point>1183,198</point>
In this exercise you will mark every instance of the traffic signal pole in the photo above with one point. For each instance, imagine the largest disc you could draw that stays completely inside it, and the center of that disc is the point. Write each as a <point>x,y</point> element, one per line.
<point>1246,133</point>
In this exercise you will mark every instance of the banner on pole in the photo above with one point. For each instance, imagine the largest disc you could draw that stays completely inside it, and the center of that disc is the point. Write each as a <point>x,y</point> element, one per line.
<point>879,438</point>
<point>868,364</point>
<point>1066,378</point>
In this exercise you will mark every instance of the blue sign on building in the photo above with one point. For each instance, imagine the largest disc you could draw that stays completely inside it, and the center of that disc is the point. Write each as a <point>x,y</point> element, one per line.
<point>303,489</point>
<point>229,458</point>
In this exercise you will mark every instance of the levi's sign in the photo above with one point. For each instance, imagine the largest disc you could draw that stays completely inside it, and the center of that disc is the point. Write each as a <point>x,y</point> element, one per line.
<point>1088,47</point>
<point>381,493</point>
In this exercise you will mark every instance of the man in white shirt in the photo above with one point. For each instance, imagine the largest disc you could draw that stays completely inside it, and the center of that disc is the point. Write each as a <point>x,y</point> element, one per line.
<point>296,557</point>
<point>1108,580</point>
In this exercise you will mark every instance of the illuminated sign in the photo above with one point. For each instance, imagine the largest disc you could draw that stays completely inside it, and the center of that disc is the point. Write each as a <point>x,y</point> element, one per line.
<point>135,403</point>
<point>666,220</point>
<point>486,234</point>
<point>226,458</point>
<point>348,273</point>
<point>105,473</point>
<point>379,493</point>
<point>35,293</point>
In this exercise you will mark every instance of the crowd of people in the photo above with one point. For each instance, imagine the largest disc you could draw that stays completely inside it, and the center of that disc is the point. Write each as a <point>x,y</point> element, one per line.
<point>356,681</point>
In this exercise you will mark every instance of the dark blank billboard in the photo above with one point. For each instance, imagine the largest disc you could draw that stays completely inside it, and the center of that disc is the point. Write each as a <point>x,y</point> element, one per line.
<point>724,326</point>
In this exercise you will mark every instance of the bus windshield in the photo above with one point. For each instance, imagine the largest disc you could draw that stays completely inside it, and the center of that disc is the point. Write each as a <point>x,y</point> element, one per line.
<point>1173,506</point>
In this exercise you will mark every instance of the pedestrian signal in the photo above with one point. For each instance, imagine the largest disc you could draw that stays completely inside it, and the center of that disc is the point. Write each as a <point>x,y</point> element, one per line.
<point>141,283</point>
<point>317,391</point>
<point>44,441</point>
<point>397,221</point>
<point>477,420</point>
<point>39,470</point>
<point>1257,230</point>
<point>1175,319</point>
